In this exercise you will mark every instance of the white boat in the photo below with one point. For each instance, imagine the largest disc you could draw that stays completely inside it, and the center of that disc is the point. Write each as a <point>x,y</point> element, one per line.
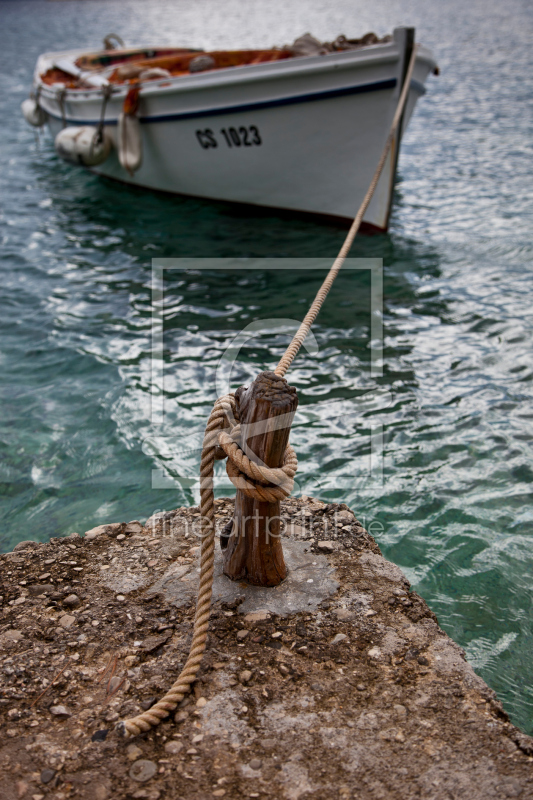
<point>299,128</point>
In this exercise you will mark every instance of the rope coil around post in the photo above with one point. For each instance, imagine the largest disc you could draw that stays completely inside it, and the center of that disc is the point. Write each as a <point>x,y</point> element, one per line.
<point>263,483</point>
<point>246,475</point>
<point>216,439</point>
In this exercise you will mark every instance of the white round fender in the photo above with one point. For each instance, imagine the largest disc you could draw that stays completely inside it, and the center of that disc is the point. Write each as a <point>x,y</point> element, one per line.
<point>82,145</point>
<point>33,113</point>
<point>129,142</point>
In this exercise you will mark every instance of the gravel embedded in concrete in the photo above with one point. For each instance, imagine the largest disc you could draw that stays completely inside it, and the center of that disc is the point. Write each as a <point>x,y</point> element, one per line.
<point>354,696</point>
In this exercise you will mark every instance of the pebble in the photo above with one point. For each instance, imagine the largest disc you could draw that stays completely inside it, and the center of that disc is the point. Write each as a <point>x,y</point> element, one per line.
<point>343,613</point>
<point>283,668</point>
<point>173,748</point>
<point>21,787</point>
<point>146,704</point>
<point>510,789</point>
<point>361,687</point>
<point>67,620</point>
<point>201,702</point>
<point>296,531</point>
<point>24,545</point>
<point>326,546</point>
<point>422,660</point>
<point>47,774</point>
<point>72,601</point>
<point>60,711</point>
<point>268,744</point>
<point>133,752</point>
<point>242,634</point>
<point>257,616</point>
<point>345,515</point>
<point>277,635</point>
<point>198,738</point>
<point>142,794</point>
<point>95,532</point>
<point>120,597</point>
<point>142,770</point>
<point>44,576</point>
<point>219,793</point>
<point>256,763</point>
<point>245,676</point>
<point>40,588</point>
<point>98,791</point>
<point>99,736</point>
<point>370,613</point>
<point>340,637</point>
<point>181,716</point>
<point>13,636</point>
<point>374,652</point>
<point>120,537</point>
<point>133,527</point>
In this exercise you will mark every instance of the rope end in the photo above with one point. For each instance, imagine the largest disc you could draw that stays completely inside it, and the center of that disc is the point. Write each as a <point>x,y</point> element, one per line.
<point>121,729</point>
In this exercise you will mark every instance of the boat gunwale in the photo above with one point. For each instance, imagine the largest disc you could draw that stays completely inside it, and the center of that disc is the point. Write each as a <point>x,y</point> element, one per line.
<point>243,108</point>
<point>239,75</point>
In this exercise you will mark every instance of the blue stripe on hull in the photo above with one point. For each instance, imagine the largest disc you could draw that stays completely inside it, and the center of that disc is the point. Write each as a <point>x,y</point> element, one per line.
<point>259,104</point>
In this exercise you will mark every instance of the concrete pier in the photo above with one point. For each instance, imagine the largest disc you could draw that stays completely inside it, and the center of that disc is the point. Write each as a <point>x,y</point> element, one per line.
<point>339,683</point>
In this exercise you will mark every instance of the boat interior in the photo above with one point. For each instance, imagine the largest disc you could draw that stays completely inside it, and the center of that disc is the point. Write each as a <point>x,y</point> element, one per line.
<point>136,65</point>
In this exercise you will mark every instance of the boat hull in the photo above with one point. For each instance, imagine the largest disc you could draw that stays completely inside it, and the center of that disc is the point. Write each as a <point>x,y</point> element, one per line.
<point>303,135</point>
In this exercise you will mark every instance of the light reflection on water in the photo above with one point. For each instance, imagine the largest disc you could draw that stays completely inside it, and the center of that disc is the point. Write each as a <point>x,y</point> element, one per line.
<point>454,402</point>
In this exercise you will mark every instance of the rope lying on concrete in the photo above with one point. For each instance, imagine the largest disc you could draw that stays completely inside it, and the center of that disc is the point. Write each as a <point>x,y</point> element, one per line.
<point>225,415</point>
<point>223,409</point>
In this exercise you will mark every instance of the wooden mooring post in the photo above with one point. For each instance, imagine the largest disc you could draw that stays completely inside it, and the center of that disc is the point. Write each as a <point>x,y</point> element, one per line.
<point>252,550</point>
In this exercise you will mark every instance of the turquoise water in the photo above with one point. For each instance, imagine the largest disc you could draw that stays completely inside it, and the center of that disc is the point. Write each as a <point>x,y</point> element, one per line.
<point>77,440</point>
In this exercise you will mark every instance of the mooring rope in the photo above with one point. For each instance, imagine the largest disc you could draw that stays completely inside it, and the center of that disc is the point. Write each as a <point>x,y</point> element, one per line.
<point>305,327</point>
<point>225,415</point>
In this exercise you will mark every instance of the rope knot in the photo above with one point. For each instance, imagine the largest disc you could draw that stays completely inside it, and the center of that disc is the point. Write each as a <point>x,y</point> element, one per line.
<point>257,480</point>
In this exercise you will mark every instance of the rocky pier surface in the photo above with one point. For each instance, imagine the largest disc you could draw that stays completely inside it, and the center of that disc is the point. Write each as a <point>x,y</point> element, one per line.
<point>337,684</point>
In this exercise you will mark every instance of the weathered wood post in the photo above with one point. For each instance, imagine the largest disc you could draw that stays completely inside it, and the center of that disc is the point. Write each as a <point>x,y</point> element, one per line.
<point>253,550</point>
